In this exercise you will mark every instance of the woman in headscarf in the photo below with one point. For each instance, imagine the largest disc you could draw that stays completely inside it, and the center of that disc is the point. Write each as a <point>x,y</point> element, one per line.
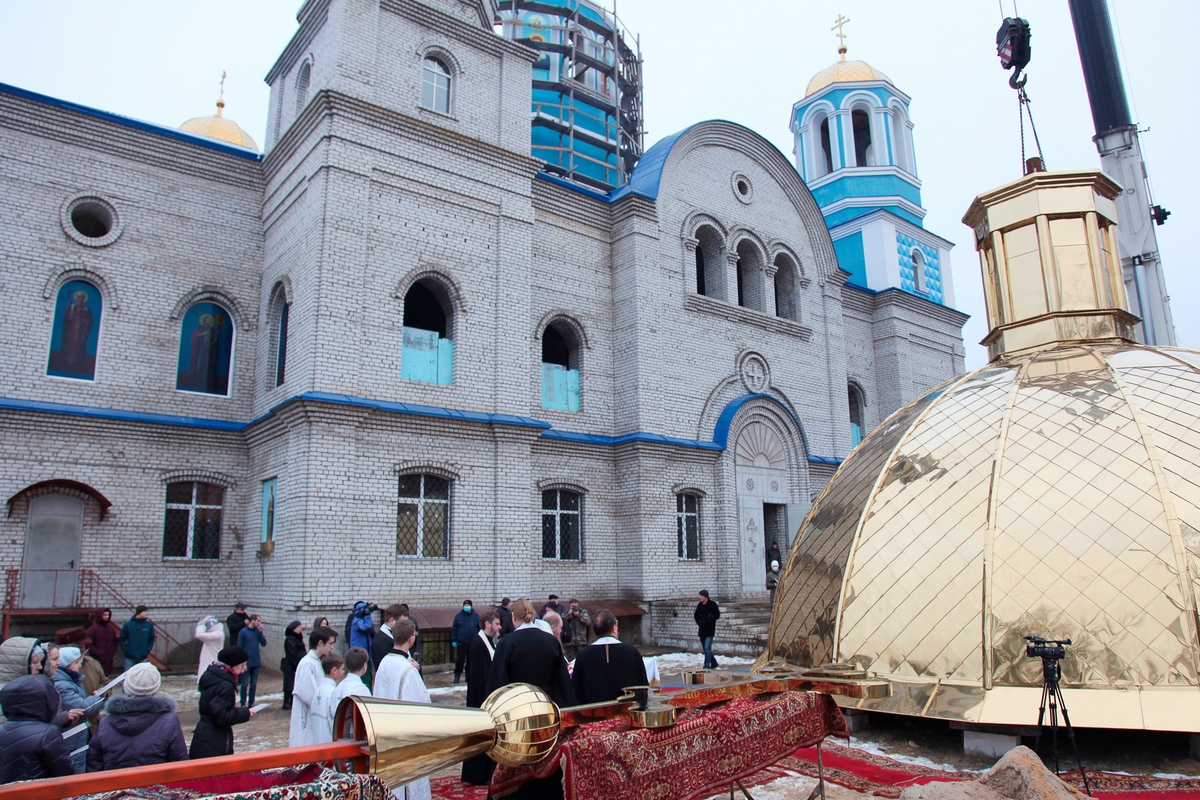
<point>293,652</point>
<point>103,633</point>
<point>211,634</point>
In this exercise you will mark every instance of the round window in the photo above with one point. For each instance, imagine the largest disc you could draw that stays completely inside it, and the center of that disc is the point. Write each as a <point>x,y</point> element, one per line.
<point>91,220</point>
<point>743,189</point>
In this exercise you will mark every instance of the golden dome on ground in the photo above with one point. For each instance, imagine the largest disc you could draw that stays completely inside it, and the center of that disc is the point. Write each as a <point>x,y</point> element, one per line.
<point>220,128</point>
<point>844,72</point>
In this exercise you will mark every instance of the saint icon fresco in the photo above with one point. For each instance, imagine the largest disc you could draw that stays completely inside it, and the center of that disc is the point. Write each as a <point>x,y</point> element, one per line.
<point>205,350</point>
<point>76,333</point>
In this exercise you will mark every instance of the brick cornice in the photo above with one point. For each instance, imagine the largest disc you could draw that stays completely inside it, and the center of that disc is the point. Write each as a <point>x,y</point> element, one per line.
<point>458,30</point>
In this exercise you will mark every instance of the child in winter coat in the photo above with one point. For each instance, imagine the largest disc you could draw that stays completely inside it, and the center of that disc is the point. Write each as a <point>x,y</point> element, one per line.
<point>219,710</point>
<point>140,726</point>
<point>69,683</point>
<point>31,747</point>
<point>323,704</point>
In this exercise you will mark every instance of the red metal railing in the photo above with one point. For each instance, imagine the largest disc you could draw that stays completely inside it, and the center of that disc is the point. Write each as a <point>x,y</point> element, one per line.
<point>89,590</point>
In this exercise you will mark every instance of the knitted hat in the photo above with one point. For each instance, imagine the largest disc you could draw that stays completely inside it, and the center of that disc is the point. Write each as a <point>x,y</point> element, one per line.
<point>142,679</point>
<point>140,609</point>
<point>69,655</point>
<point>239,604</point>
<point>232,656</point>
<point>775,565</point>
<point>704,592</point>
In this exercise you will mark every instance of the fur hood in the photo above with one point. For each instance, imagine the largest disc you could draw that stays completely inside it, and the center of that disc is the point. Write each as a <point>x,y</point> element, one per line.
<point>132,714</point>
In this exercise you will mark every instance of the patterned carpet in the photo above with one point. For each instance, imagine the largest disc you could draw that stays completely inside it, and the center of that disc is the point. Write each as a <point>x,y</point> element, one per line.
<point>884,777</point>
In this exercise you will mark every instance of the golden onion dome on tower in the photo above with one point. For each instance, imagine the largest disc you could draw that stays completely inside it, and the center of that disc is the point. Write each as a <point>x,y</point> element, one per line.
<point>844,72</point>
<point>1054,492</point>
<point>220,128</point>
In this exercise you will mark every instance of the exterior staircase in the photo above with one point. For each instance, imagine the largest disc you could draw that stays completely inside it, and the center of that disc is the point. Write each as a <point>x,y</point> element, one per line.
<point>741,631</point>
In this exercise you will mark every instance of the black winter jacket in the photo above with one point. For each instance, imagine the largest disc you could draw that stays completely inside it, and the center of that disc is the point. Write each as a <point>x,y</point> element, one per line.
<point>219,712</point>
<point>30,746</point>
<point>706,617</point>
<point>137,731</point>
<point>293,650</point>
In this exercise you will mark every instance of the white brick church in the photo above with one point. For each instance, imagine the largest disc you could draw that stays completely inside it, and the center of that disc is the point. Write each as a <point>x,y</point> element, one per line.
<point>402,354</point>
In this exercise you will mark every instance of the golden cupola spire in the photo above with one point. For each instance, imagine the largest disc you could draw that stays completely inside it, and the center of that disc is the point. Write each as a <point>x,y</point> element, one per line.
<point>1048,250</point>
<point>218,127</point>
<point>837,26</point>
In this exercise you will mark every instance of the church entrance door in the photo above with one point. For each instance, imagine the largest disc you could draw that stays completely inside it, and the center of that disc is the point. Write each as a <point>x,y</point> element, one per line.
<point>762,491</point>
<point>52,545</point>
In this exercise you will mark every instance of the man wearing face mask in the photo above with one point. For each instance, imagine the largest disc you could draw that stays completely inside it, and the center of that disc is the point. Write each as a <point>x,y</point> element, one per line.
<point>464,629</point>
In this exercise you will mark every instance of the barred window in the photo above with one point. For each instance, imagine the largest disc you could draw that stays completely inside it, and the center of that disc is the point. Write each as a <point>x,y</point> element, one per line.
<point>423,517</point>
<point>687,523</point>
<point>562,525</point>
<point>192,528</point>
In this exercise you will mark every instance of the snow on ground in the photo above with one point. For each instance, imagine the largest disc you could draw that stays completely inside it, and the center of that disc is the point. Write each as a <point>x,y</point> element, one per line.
<point>920,761</point>
<point>677,662</point>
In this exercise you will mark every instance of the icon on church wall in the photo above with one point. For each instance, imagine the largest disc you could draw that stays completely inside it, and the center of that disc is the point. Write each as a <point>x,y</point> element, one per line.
<point>205,350</point>
<point>267,536</point>
<point>76,334</point>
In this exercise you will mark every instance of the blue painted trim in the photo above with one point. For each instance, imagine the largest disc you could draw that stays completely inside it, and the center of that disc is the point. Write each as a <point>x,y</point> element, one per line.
<point>647,175</point>
<point>725,419</point>
<point>575,187</point>
<point>413,409</point>
<point>130,122</point>
<point>117,414</point>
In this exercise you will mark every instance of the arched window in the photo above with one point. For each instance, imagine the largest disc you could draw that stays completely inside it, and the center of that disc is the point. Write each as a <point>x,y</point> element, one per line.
<point>864,153</point>
<point>750,277</point>
<point>856,417</point>
<point>280,312</point>
<point>919,279</point>
<point>900,140</point>
<point>423,516</point>
<point>75,337</point>
<point>562,525</point>
<point>786,285</point>
<point>205,350</point>
<point>302,86</point>
<point>435,85</point>
<point>560,368</point>
<point>687,525</point>
<point>428,351</point>
<point>823,149</point>
<point>192,528</point>
<point>710,278</point>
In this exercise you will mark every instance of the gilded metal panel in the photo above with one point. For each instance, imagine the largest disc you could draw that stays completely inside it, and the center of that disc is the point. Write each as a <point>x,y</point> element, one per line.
<point>1094,476</point>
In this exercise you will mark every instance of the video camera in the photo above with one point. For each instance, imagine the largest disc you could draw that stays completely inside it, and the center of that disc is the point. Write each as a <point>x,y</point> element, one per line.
<point>1040,647</point>
<point>367,610</point>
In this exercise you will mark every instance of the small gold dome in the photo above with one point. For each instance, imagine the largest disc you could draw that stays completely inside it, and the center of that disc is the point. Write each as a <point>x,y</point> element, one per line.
<point>844,72</point>
<point>217,127</point>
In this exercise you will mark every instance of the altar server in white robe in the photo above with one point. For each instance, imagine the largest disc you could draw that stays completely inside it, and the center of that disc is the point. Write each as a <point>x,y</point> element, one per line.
<point>309,675</point>
<point>399,679</point>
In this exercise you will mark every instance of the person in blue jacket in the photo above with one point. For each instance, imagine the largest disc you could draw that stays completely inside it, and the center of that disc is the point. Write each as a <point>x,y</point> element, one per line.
<point>137,637</point>
<point>360,627</point>
<point>462,631</point>
<point>250,639</point>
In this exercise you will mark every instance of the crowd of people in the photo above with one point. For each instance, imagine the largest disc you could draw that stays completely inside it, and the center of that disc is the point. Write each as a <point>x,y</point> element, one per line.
<point>51,696</point>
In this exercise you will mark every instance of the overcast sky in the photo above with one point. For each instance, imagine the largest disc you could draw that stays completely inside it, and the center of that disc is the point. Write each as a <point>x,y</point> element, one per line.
<point>161,61</point>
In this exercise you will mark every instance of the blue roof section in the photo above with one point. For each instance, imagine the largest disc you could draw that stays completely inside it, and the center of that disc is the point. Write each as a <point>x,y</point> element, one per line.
<point>725,419</point>
<point>720,437</point>
<point>647,175</point>
<point>130,122</point>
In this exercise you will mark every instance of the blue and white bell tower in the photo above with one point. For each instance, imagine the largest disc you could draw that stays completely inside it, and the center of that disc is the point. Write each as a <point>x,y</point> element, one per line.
<point>854,150</point>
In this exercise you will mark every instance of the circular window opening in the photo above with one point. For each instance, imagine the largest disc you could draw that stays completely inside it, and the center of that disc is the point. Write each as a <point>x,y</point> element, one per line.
<point>743,188</point>
<point>92,220</point>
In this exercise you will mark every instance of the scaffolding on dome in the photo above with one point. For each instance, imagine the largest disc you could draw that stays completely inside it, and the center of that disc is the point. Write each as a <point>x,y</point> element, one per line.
<point>586,114</point>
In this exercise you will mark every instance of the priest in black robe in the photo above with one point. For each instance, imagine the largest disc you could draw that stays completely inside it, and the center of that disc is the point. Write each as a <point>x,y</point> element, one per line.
<point>607,665</point>
<point>530,655</point>
<point>477,770</point>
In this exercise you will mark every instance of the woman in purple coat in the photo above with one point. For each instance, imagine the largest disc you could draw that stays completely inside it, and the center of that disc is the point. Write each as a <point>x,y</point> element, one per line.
<point>140,726</point>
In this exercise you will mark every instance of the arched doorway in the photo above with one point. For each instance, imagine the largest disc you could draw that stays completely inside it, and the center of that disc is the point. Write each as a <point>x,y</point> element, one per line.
<point>762,489</point>
<point>52,544</point>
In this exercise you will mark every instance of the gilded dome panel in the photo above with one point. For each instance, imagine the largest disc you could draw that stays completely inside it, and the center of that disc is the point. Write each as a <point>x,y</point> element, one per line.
<point>844,72</point>
<point>1055,494</point>
<point>218,127</point>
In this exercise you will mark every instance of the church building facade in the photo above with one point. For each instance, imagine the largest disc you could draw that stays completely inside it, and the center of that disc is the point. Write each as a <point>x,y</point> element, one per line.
<point>395,358</point>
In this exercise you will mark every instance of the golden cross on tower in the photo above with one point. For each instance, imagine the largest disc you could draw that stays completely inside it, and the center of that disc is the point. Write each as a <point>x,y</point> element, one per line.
<point>221,99</point>
<point>837,26</point>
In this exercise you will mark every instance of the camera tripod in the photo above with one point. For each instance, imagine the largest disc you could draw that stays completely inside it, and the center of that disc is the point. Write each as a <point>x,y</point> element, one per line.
<point>1052,696</point>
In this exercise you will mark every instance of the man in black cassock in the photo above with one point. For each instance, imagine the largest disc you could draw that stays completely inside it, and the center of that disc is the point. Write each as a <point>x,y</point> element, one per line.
<point>530,655</point>
<point>477,770</point>
<point>607,665</point>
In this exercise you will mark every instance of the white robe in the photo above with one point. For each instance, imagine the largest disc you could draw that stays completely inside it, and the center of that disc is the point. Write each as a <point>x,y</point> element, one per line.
<point>308,678</point>
<point>210,644</point>
<point>350,685</point>
<point>320,720</point>
<point>398,679</point>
